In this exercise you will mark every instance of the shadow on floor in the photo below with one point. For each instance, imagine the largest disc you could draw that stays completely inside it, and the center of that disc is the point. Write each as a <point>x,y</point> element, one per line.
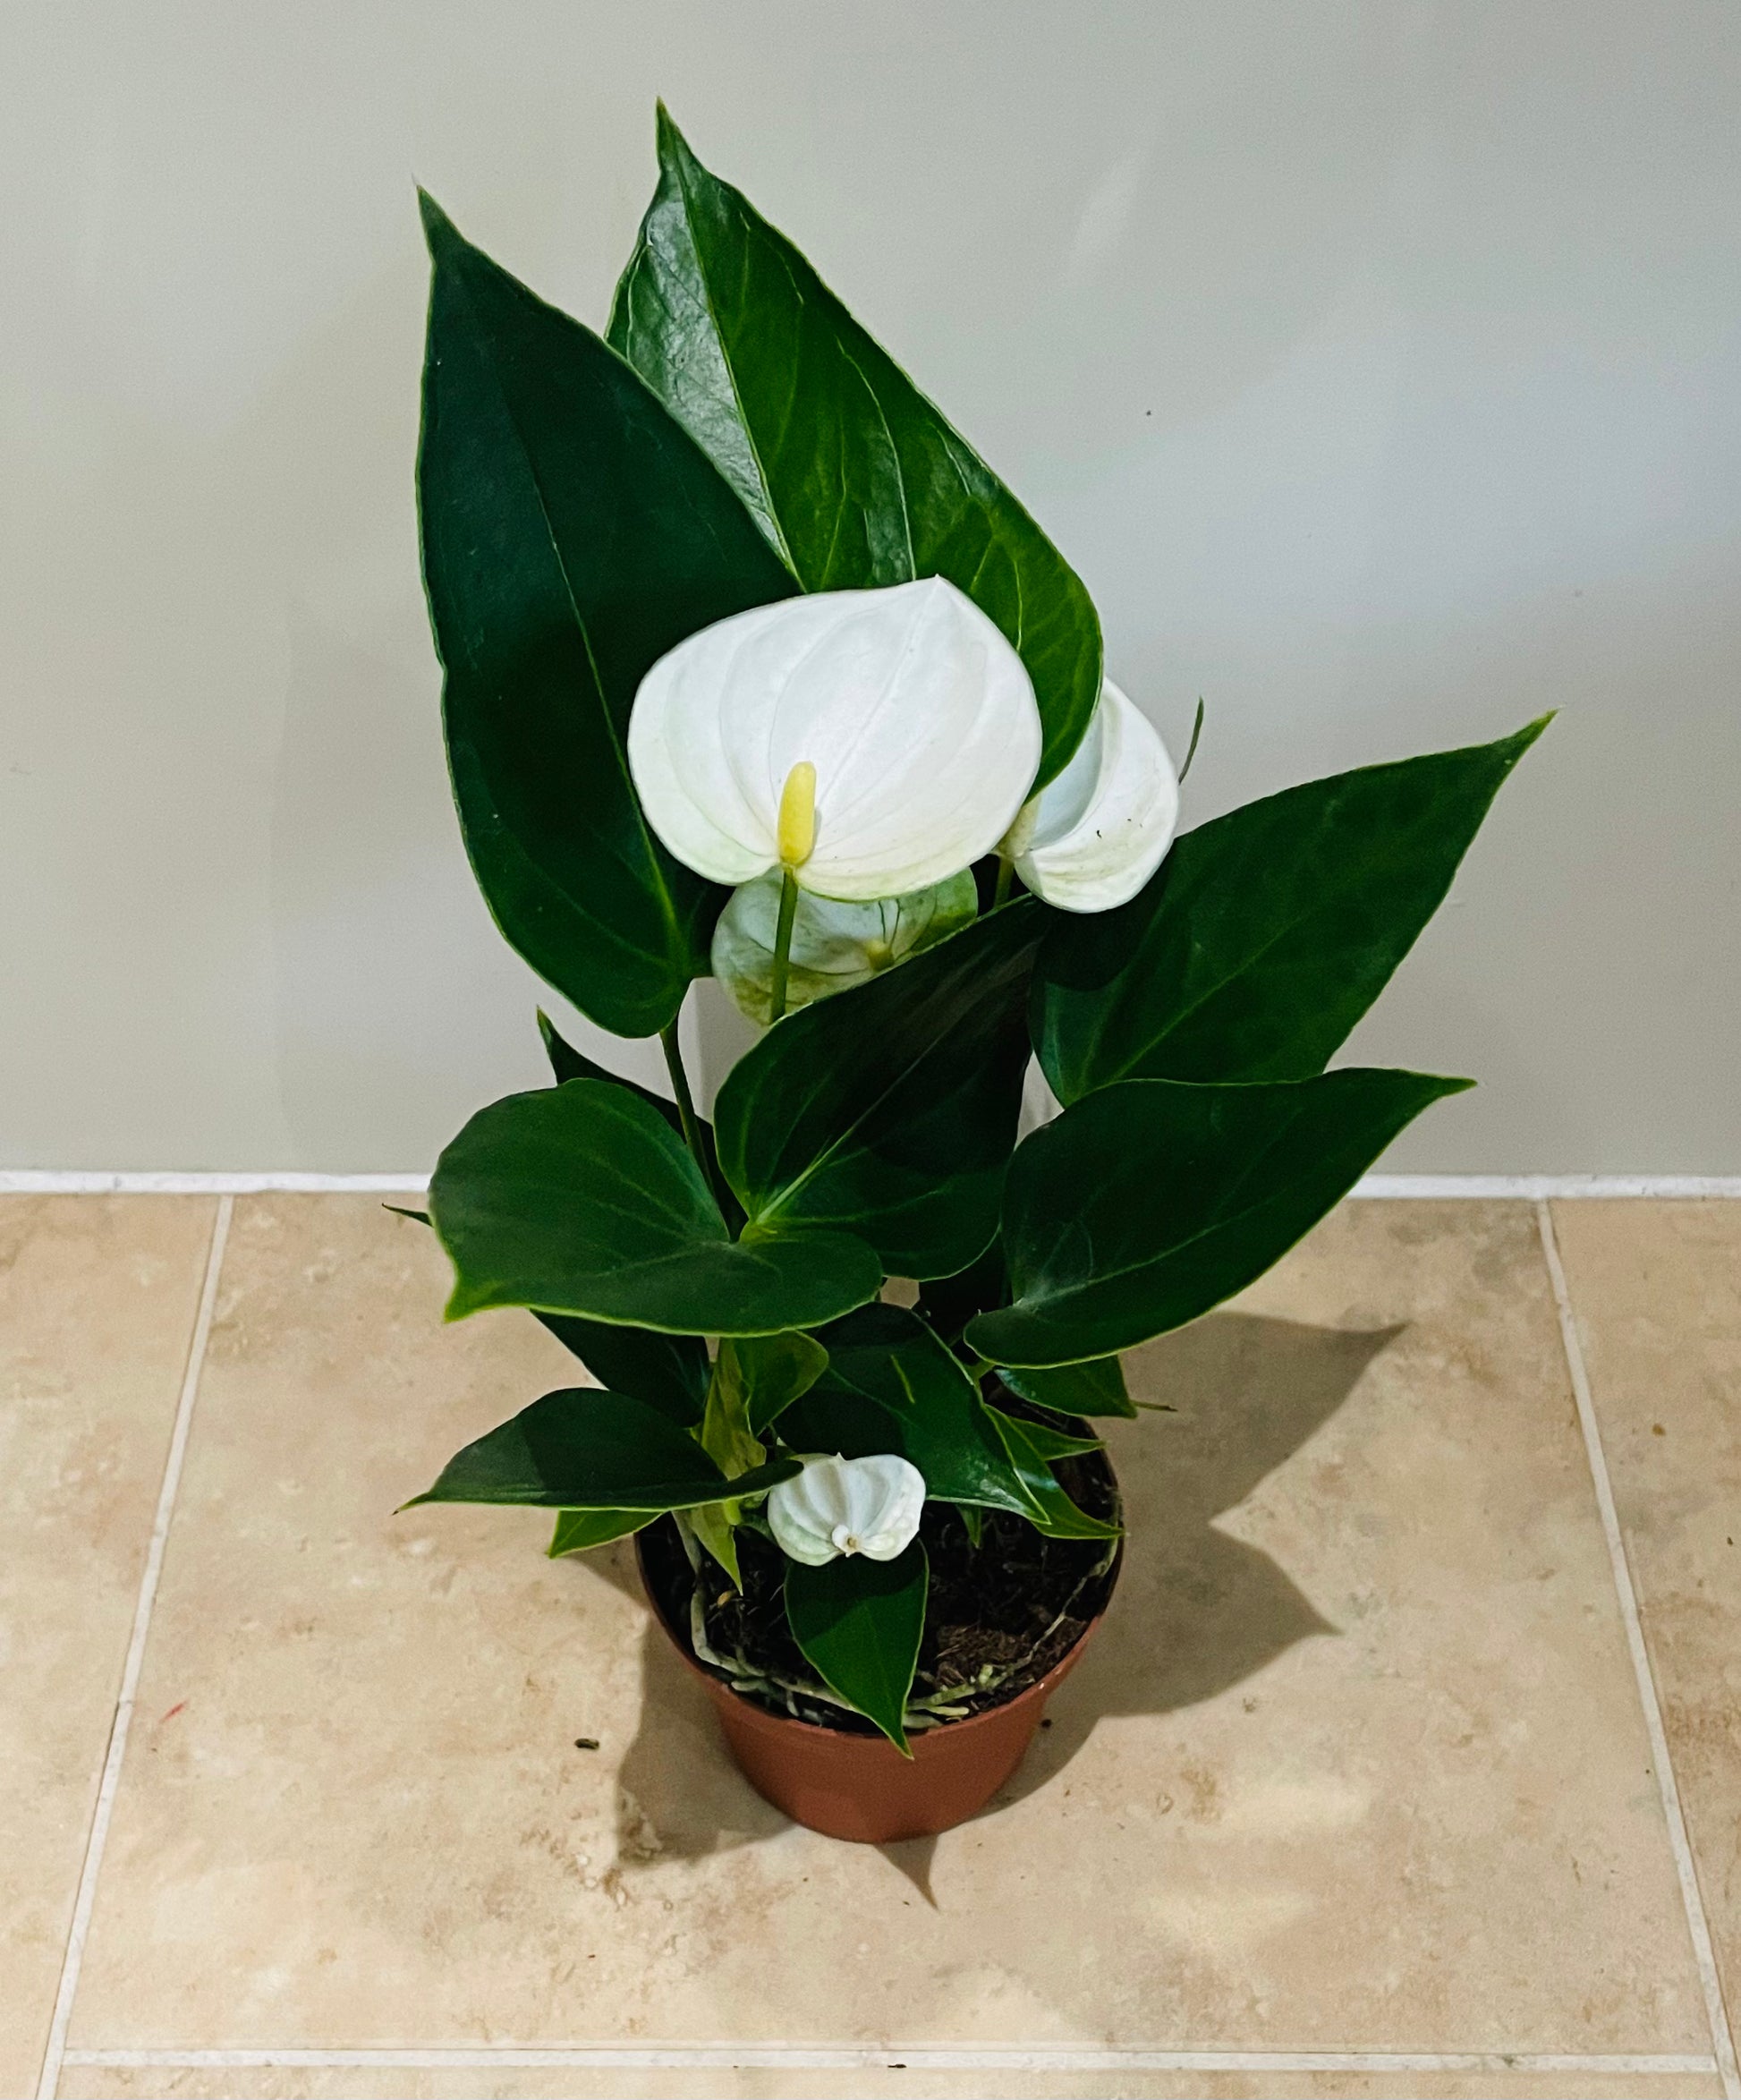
<point>1196,1611</point>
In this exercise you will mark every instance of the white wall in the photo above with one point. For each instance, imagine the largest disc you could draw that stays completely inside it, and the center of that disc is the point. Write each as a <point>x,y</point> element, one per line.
<point>1375,362</point>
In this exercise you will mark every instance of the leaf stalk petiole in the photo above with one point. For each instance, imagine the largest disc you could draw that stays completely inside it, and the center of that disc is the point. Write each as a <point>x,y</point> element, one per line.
<point>699,1149</point>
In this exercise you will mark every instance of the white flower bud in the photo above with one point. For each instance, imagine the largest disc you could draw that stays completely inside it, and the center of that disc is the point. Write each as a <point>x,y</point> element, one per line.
<point>1093,838</point>
<point>834,946</point>
<point>835,1506</point>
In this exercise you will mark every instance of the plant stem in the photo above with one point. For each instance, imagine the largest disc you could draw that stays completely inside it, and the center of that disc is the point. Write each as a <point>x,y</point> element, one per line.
<point>1005,876</point>
<point>698,1149</point>
<point>783,946</point>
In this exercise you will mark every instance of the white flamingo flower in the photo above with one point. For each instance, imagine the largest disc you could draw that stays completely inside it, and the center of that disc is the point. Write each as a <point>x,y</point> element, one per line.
<point>835,1505</point>
<point>870,742</point>
<point>1090,839</point>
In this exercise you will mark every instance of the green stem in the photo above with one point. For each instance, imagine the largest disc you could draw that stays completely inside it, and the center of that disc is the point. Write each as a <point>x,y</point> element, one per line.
<point>699,1150</point>
<point>783,946</point>
<point>1005,876</point>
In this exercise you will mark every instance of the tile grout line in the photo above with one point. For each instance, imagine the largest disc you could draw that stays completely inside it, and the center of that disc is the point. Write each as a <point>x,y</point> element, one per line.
<point>798,2056</point>
<point>55,2054</point>
<point>1697,1925</point>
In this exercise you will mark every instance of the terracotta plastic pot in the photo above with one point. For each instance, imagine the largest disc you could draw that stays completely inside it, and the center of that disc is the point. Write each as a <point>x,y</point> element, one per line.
<point>860,1786</point>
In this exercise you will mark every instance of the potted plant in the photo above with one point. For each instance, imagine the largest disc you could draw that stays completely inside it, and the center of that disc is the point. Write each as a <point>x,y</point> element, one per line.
<point>755,668</point>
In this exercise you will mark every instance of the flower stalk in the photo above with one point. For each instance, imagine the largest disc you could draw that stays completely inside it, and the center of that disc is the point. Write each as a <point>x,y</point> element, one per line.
<point>783,946</point>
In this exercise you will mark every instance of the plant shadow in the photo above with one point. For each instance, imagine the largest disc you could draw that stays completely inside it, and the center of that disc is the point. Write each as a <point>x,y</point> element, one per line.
<point>1196,1611</point>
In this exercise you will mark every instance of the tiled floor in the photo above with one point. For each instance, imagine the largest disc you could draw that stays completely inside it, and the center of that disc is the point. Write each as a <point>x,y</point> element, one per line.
<point>1358,1793</point>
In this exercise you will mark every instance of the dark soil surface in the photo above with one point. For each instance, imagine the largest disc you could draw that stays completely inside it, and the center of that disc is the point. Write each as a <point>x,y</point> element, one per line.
<point>999,1615</point>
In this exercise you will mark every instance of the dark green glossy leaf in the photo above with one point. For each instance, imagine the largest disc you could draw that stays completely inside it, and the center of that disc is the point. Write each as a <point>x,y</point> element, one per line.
<point>892,1386</point>
<point>852,474</point>
<point>1094,1388</point>
<point>859,1623</point>
<point>581,1449</point>
<point>669,1371</point>
<point>1267,934</point>
<point>581,1199</point>
<point>568,1063</point>
<point>572,532</point>
<point>578,1531</point>
<point>1146,1203</point>
<point>888,1111</point>
<point>1054,1513</point>
<point>1048,1442</point>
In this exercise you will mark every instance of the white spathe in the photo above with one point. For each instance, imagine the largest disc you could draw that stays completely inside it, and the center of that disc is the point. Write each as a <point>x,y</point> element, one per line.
<point>1092,838</point>
<point>835,1505</point>
<point>916,714</point>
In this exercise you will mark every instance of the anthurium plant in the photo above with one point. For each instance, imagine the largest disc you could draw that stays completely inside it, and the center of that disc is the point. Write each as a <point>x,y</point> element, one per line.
<point>755,669</point>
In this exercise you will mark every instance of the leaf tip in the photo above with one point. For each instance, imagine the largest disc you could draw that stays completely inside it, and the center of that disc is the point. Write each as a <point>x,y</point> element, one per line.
<point>670,140</point>
<point>1523,738</point>
<point>437,227</point>
<point>463,1302</point>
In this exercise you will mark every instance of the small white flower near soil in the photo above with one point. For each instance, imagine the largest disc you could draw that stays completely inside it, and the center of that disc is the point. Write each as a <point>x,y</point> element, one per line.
<point>835,1505</point>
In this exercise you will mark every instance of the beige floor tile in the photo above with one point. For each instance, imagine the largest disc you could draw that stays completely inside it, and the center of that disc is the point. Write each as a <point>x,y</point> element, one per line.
<point>1357,1762</point>
<point>98,1300</point>
<point>1656,1289</point>
<point>480,2083</point>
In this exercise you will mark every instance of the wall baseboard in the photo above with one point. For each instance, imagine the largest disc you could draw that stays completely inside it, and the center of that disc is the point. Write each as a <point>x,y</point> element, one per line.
<point>1517,1187</point>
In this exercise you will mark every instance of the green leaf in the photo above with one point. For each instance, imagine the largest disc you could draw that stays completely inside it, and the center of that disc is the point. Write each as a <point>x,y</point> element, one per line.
<point>1094,1388</point>
<point>889,1111</point>
<point>581,1199</point>
<point>753,1380</point>
<point>1057,1515</point>
<point>1048,1442</point>
<point>669,1371</point>
<point>853,477</point>
<point>835,945</point>
<point>578,1531</point>
<point>771,1371</point>
<point>572,532</point>
<point>1265,935</point>
<point>1146,1203</point>
<point>892,1386</point>
<point>581,1449</point>
<point>715,1528</point>
<point>568,1063</point>
<point>859,1623</point>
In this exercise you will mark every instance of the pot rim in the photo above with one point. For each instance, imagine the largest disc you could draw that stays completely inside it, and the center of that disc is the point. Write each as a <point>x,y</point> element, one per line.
<point>1042,1688</point>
